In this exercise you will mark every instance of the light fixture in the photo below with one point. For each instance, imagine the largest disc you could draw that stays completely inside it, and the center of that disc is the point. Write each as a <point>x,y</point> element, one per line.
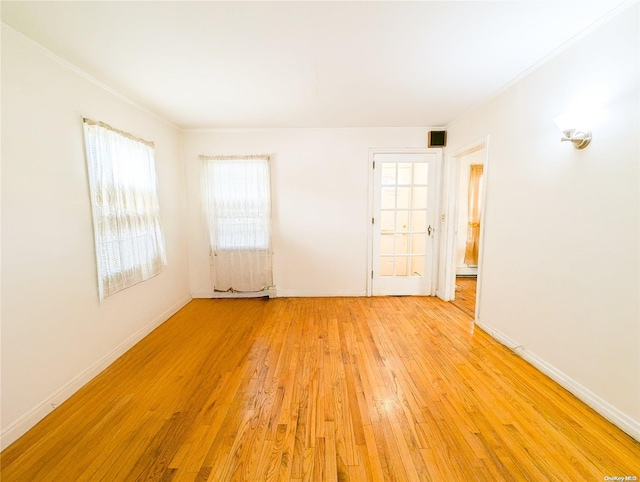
<point>579,137</point>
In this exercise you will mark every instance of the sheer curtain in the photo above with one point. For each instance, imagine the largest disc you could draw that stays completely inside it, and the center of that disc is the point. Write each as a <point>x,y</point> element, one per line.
<point>473,229</point>
<point>237,197</point>
<point>129,241</point>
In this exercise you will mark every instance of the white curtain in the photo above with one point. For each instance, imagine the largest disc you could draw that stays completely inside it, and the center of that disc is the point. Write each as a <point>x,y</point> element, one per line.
<point>473,224</point>
<point>237,197</point>
<point>128,235</point>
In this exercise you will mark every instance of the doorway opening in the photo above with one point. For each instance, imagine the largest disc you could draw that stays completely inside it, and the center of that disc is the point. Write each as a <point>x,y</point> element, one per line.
<point>470,177</point>
<point>461,273</point>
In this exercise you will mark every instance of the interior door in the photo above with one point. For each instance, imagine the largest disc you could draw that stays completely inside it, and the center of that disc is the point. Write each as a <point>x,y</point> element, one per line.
<point>403,223</point>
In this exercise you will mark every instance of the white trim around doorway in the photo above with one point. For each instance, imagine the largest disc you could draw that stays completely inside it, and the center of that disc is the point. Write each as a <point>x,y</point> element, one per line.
<point>449,215</point>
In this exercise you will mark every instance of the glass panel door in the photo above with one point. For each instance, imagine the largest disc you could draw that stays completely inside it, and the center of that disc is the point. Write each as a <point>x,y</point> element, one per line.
<point>403,223</point>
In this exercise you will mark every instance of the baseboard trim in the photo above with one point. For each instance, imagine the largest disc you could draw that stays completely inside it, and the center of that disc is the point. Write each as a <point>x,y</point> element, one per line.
<point>466,271</point>
<point>224,294</point>
<point>319,294</point>
<point>604,408</point>
<point>22,425</point>
<point>201,294</point>
<point>281,294</point>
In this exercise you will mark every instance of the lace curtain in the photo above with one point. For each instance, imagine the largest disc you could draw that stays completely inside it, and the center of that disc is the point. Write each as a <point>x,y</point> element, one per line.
<point>237,197</point>
<point>129,241</point>
<point>473,225</point>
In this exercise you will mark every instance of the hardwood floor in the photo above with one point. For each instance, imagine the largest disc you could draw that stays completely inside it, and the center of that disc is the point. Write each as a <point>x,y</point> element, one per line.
<point>466,295</point>
<point>399,389</point>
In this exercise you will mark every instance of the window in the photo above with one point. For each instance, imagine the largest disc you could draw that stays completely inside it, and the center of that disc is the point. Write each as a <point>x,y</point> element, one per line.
<point>237,199</point>
<point>126,220</point>
<point>238,203</point>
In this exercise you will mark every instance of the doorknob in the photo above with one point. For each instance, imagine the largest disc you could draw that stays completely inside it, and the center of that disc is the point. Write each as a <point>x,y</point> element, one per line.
<point>429,229</point>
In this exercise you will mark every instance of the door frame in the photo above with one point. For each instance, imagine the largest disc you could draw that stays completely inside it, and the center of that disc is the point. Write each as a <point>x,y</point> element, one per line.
<point>447,274</point>
<point>370,205</point>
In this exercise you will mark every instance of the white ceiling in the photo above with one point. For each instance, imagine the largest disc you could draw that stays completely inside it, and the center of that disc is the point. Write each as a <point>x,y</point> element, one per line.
<point>305,64</point>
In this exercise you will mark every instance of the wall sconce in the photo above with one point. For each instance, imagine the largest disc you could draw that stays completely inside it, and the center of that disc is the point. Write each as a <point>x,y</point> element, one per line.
<point>583,111</point>
<point>579,137</point>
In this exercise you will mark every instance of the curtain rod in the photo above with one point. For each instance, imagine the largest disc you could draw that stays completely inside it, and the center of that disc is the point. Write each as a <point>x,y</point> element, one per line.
<point>253,157</point>
<point>118,131</point>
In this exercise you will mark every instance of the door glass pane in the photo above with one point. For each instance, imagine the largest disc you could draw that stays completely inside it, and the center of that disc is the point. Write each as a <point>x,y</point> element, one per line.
<point>402,221</point>
<point>388,173</point>
<point>418,221</point>
<point>386,221</point>
<point>401,265</point>
<point>404,173</point>
<point>420,173</point>
<point>388,198</point>
<point>402,244</point>
<point>386,266</point>
<point>417,265</point>
<point>418,243</point>
<point>386,244</point>
<point>403,197</point>
<point>419,198</point>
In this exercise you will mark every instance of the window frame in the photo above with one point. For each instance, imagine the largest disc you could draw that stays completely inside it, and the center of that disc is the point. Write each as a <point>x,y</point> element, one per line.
<point>263,207</point>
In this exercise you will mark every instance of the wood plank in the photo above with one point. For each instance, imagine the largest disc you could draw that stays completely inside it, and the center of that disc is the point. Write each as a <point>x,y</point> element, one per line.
<point>321,389</point>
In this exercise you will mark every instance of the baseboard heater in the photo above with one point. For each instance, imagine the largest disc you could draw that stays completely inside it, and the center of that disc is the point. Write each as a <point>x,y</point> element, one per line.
<point>266,293</point>
<point>467,271</point>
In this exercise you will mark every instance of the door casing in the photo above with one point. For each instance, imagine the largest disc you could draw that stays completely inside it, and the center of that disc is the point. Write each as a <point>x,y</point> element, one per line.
<point>448,221</point>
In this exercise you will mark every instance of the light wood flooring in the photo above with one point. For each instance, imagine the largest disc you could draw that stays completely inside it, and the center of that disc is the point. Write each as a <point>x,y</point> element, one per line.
<point>324,389</point>
<point>466,295</point>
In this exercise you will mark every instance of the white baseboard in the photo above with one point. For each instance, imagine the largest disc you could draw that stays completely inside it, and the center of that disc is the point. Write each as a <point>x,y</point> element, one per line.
<point>466,271</point>
<point>318,294</point>
<point>225,294</point>
<point>281,294</point>
<point>201,294</point>
<point>604,408</point>
<point>19,427</point>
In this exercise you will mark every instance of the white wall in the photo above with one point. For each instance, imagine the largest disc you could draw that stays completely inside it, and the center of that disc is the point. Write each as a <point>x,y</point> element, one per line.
<point>55,334</point>
<point>560,274</point>
<point>476,157</point>
<point>320,213</point>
